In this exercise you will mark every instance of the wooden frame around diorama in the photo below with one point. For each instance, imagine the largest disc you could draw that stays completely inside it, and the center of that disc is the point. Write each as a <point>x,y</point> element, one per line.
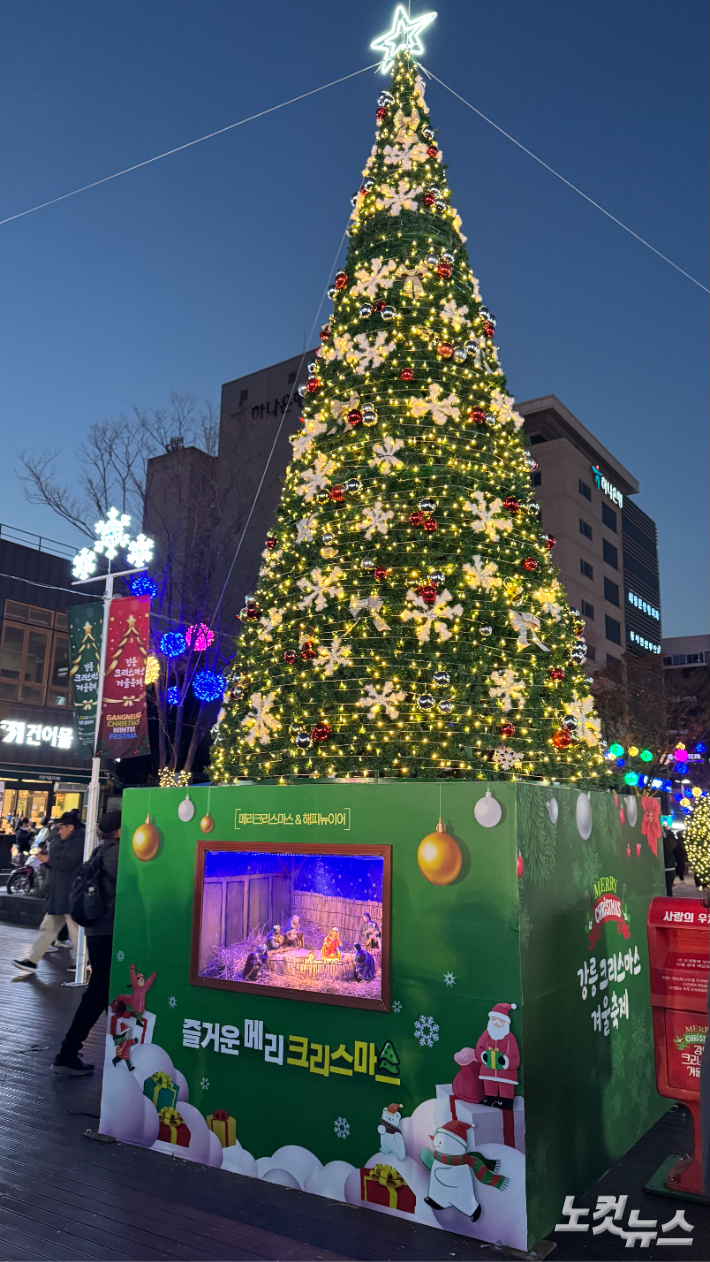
<point>383,1004</point>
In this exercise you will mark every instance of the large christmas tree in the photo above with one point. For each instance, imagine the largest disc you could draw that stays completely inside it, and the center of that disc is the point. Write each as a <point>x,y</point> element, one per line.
<point>408,618</point>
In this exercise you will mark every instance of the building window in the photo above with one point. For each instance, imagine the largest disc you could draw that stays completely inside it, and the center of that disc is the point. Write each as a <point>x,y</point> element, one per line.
<point>679,659</point>
<point>291,378</point>
<point>609,517</point>
<point>585,528</point>
<point>536,438</point>
<point>243,396</point>
<point>610,554</point>
<point>591,653</point>
<point>24,654</point>
<point>668,661</point>
<point>58,691</point>
<point>587,609</point>
<point>586,569</point>
<point>585,490</point>
<point>611,591</point>
<point>613,630</point>
<point>536,478</point>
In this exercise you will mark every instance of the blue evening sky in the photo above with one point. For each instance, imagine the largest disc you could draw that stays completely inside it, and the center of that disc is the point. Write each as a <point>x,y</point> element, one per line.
<point>211,263</point>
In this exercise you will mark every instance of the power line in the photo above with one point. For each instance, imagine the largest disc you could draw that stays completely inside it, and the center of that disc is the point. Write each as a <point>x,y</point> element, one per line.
<point>564,181</point>
<point>178,149</point>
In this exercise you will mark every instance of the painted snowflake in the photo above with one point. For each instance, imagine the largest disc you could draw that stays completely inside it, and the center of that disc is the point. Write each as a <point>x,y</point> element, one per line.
<point>205,1084</point>
<point>341,1126</point>
<point>120,956</point>
<point>396,1006</point>
<point>427,1031</point>
<point>172,1001</point>
<point>449,979</point>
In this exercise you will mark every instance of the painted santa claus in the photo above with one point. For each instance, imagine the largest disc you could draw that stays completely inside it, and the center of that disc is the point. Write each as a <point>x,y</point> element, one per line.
<point>498,1055</point>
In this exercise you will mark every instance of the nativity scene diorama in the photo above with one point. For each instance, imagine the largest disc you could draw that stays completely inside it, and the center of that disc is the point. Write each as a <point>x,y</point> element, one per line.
<point>309,922</point>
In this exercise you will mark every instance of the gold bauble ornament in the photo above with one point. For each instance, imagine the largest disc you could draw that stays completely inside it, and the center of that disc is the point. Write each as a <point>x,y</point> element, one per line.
<point>207,823</point>
<point>439,857</point>
<point>146,840</point>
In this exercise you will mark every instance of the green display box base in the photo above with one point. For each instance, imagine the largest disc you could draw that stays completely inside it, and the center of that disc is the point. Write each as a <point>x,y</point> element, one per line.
<point>656,1184</point>
<point>502,1058</point>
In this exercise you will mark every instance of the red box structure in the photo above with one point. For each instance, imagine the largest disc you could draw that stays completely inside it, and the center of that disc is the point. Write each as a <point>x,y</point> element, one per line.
<point>679,958</point>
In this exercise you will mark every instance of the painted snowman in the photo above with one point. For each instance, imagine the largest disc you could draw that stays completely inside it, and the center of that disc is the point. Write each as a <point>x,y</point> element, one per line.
<point>451,1181</point>
<point>391,1137</point>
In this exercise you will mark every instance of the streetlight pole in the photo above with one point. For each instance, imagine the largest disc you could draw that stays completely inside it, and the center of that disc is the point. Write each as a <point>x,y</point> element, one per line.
<point>92,810</point>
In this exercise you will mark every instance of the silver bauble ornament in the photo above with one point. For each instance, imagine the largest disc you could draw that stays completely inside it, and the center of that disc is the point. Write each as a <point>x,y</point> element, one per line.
<point>186,810</point>
<point>488,811</point>
<point>584,816</point>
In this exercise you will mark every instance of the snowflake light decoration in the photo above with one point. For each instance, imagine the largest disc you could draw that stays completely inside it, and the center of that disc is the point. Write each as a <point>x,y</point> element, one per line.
<point>427,1031</point>
<point>84,564</point>
<point>112,533</point>
<point>449,979</point>
<point>205,1084</point>
<point>172,1001</point>
<point>341,1126</point>
<point>140,551</point>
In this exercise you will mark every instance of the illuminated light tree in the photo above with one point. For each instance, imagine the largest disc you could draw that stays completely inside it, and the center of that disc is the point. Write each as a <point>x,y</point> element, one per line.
<point>408,619</point>
<point>697,841</point>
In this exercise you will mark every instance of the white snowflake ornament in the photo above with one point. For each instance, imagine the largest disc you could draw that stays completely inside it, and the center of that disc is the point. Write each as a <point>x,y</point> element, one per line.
<point>172,1002</point>
<point>140,551</point>
<point>112,533</point>
<point>387,699</point>
<point>341,1126</point>
<point>260,723</point>
<point>427,1031</point>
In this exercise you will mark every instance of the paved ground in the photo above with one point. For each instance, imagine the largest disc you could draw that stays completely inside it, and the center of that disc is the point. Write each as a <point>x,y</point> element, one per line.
<point>64,1197</point>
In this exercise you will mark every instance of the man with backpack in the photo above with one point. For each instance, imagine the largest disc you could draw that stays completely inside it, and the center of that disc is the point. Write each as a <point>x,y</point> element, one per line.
<point>65,857</point>
<point>99,892</point>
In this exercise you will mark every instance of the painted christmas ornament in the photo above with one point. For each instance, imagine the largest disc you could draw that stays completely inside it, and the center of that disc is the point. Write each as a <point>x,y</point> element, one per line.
<point>439,857</point>
<point>186,809</point>
<point>206,824</point>
<point>145,841</point>
<point>488,811</point>
<point>520,866</point>
<point>553,810</point>
<point>631,811</point>
<point>584,816</point>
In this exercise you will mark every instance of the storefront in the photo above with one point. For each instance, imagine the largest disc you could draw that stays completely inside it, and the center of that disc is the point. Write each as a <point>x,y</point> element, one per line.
<point>40,772</point>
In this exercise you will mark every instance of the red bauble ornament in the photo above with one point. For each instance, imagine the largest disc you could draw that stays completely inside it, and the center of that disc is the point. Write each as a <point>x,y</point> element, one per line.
<point>511,505</point>
<point>557,673</point>
<point>549,542</point>
<point>320,732</point>
<point>478,415</point>
<point>428,593</point>
<point>307,651</point>
<point>445,349</point>
<point>380,112</point>
<point>561,738</point>
<point>416,518</point>
<point>337,493</point>
<point>444,269</point>
<point>530,563</point>
<point>290,657</point>
<point>379,305</point>
<point>271,542</point>
<point>252,611</point>
<point>355,417</point>
<point>489,329</point>
<point>313,385</point>
<point>520,866</point>
<point>380,573</point>
<point>507,729</point>
<point>324,333</point>
<point>407,374</point>
<point>429,525</point>
<point>341,280</point>
<point>428,199</point>
<point>638,847</point>
<point>628,852</point>
<point>432,151</point>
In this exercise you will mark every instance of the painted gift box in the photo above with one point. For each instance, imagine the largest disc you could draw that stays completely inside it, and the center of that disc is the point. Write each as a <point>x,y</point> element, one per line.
<point>224,1127</point>
<point>161,1089</point>
<point>173,1130</point>
<point>381,1185</point>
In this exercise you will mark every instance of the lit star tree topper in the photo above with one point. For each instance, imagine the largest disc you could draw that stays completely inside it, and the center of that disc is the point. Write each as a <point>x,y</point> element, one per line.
<point>403,35</point>
<point>408,619</point>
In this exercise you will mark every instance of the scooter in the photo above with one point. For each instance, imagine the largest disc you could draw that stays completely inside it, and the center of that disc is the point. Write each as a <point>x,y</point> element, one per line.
<point>31,877</point>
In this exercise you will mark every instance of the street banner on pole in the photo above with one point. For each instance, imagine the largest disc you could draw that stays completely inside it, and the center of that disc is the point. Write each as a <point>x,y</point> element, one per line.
<point>123,724</point>
<point>85,624</point>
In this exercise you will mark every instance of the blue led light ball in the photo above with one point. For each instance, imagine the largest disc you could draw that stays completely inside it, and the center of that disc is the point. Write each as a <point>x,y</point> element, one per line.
<point>208,685</point>
<point>144,586</point>
<point>172,695</point>
<point>173,644</point>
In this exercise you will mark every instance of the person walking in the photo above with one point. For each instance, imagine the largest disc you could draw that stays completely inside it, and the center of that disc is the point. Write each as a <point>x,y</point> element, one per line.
<point>99,939</point>
<point>65,857</point>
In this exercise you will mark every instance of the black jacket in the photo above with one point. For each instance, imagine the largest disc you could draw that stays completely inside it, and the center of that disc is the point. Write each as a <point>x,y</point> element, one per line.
<point>109,860</point>
<point>65,859</point>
